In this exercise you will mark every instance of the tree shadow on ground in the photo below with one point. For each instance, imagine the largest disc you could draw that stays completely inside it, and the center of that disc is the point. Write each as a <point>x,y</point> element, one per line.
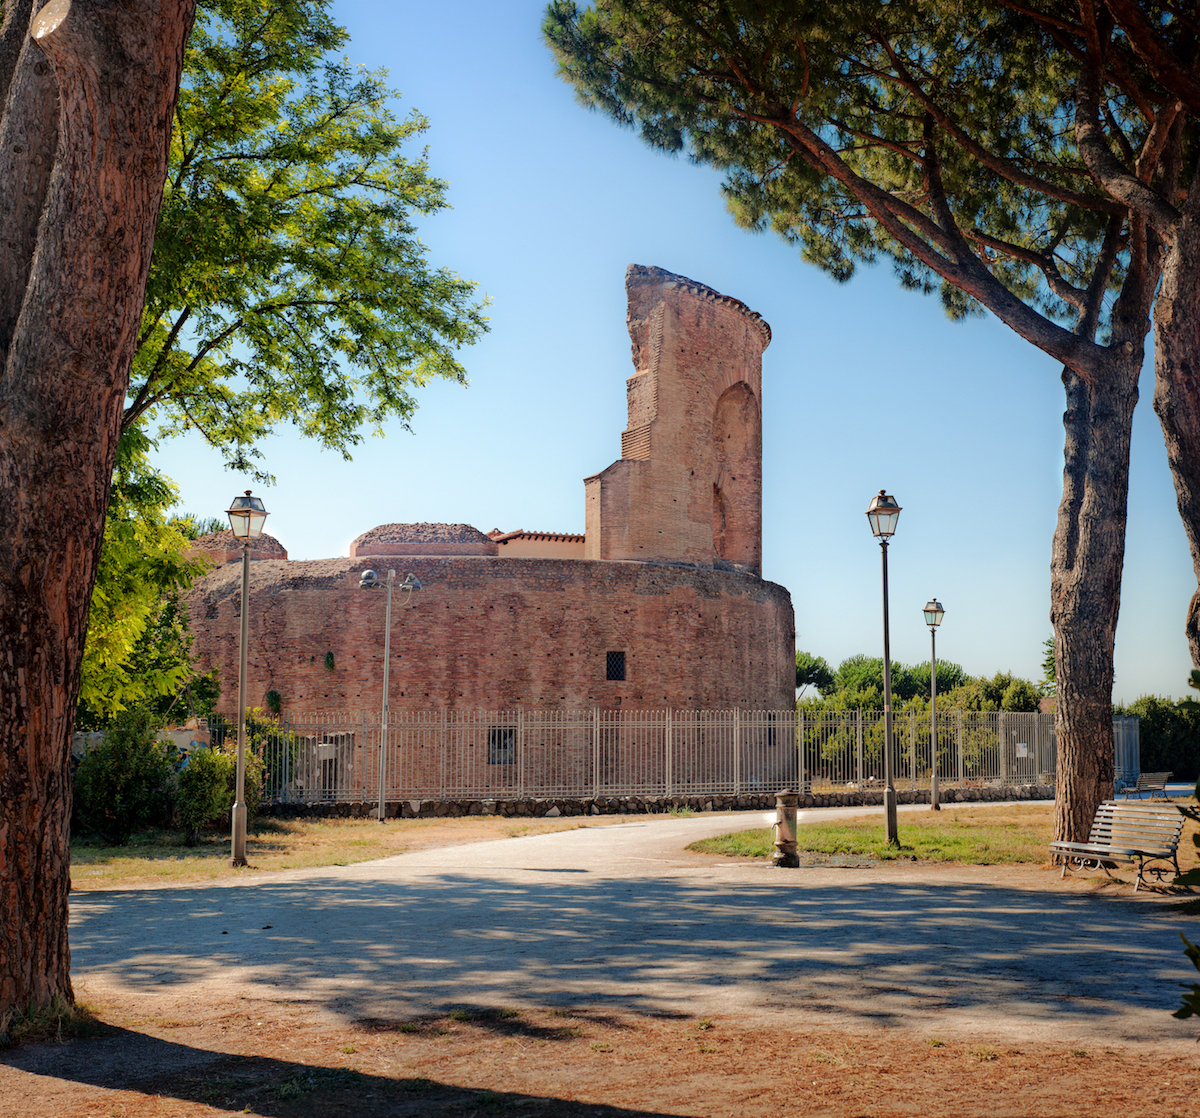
<point>230,1083</point>
<point>880,954</point>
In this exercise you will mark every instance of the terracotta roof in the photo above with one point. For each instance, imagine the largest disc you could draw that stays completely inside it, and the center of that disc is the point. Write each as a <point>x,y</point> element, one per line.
<point>521,534</point>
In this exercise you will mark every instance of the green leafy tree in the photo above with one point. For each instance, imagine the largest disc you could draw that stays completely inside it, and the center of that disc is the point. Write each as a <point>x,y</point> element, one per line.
<point>1168,735</point>
<point>1047,686</point>
<point>934,135</point>
<point>812,671</point>
<point>289,282</point>
<point>138,648</point>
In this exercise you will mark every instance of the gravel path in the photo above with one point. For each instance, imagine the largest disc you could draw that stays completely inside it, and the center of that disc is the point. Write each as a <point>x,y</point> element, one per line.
<point>622,916</point>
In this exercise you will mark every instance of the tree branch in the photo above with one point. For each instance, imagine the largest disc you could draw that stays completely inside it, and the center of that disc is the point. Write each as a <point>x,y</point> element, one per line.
<point>1098,156</point>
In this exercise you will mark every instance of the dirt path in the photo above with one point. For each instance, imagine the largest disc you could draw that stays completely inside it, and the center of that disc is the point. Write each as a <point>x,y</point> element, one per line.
<point>605,972</point>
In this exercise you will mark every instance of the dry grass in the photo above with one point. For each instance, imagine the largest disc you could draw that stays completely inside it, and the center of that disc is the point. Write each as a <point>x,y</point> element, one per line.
<point>285,1061</point>
<point>159,857</point>
<point>985,835</point>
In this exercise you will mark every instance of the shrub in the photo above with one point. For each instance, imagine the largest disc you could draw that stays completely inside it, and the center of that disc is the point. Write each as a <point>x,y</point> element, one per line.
<point>205,791</point>
<point>1168,736</point>
<point>125,784</point>
<point>207,787</point>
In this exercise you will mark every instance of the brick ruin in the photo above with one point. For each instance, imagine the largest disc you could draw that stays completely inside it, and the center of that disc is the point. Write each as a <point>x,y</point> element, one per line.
<point>660,603</point>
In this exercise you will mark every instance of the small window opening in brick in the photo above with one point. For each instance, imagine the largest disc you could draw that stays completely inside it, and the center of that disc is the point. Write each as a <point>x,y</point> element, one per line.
<point>615,665</point>
<point>502,745</point>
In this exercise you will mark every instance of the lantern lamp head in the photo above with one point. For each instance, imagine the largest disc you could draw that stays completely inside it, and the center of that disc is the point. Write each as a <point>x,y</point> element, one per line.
<point>247,516</point>
<point>934,611</point>
<point>883,512</point>
<point>368,580</point>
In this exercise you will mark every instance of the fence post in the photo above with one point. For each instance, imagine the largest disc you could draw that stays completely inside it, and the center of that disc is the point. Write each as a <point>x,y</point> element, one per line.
<point>961,772</point>
<point>912,750</point>
<point>521,751</point>
<point>442,756</point>
<point>858,743</point>
<point>800,752</point>
<point>737,751</point>
<point>669,766</point>
<point>595,752</point>
<point>1001,728</point>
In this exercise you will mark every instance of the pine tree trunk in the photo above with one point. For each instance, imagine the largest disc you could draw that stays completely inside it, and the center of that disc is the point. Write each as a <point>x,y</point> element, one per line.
<point>1177,385</point>
<point>69,316</point>
<point>1085,587</point>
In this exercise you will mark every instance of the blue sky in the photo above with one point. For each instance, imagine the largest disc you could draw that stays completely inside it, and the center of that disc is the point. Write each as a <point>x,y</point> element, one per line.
<point>864,385</point>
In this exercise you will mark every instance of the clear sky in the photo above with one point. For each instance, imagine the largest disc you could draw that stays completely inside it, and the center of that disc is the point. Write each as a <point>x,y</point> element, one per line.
<point>865,386</point>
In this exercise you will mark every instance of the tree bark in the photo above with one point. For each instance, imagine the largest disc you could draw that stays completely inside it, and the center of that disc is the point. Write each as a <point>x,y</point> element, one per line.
<point>62,386</point>
<point>1089,542</point>
<point>1085,588</point>
<point>1177,384</point>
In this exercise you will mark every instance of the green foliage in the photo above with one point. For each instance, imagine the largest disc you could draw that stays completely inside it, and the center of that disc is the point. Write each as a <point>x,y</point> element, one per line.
<point>288,280</point>
<point>330,665</point>
<point>1168,735</point>
<point>1049,684</point>
<point>205,791</point>
<point>812,671</point>
<point>273,701</point>
<point>858,684</point>
<point>1003,691</point>
<point>138,648</point>
<point>864,131</point>
<point>126,783</point>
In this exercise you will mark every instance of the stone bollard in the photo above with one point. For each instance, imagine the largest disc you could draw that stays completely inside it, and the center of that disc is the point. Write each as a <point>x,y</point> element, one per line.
<point>785,830</point>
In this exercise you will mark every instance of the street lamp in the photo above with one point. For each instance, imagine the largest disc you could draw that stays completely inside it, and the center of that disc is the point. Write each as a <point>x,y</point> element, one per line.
<point>883,513</point>
<point>934,612</point>
<point>369,580</point>
<point>246,517</point>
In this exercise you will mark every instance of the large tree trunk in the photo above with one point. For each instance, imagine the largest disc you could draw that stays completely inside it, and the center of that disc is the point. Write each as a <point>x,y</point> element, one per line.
<point>1177,384</point>
<point>1085,588</point>
<point>71,295</point>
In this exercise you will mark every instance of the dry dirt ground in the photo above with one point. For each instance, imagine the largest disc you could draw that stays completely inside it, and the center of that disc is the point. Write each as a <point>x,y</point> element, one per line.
<point>189,1052</point>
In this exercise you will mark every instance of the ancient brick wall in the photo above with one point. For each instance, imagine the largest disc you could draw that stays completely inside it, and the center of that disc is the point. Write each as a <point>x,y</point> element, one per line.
<point>688,486</point>
<point>496,634</point>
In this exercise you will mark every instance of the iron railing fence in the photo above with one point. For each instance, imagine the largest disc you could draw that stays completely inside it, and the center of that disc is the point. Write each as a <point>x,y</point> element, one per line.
<point>536,754</point>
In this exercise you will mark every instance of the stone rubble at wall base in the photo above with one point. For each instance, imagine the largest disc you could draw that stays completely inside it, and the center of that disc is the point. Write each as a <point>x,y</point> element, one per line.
<point>643,805</point>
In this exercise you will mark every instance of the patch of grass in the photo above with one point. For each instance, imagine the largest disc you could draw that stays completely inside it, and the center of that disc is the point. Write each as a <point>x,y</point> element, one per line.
<point>983,1055</point>
<point>600,1046</point>
<point>973,836</point>
<point>703,1025</point>
<point>682,812</point>
<point>55,1020</point>
<point>315,1079</point>
<point>936,1042</point>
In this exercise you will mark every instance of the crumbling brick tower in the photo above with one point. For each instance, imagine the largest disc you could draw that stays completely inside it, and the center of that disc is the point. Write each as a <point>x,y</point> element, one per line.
<point>688,485</point>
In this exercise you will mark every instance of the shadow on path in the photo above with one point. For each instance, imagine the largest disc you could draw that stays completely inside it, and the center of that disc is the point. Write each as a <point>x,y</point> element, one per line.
<point>881,954</point>
<point>275,1088</point>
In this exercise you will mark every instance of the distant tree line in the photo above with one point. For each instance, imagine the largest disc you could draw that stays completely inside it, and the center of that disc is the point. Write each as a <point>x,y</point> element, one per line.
<point>1169,733</point>
<point>858,682</point>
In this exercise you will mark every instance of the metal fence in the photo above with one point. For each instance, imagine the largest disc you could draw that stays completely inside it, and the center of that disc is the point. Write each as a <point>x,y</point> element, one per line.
<point>481,755</point>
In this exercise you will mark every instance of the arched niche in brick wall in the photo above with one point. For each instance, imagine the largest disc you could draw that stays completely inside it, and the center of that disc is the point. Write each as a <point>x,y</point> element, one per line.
<point>737,485</point>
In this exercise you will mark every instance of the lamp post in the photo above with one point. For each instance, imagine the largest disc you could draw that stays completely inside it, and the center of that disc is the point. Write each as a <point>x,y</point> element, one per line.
<point>934,612</point>
<point>369,580</point>
<point>882,513</point>
<point>246,517</point>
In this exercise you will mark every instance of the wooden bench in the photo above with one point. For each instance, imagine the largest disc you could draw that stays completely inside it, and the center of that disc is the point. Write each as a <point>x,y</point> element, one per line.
<point>1149,782</point>
<point>1129,834</point>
